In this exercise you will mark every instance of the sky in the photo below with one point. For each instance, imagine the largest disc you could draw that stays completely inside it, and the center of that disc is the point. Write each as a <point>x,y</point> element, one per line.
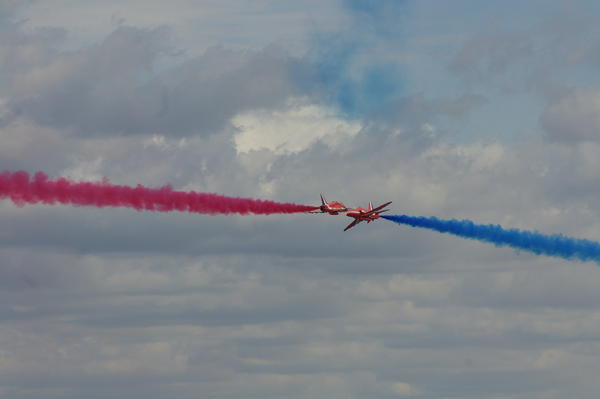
<point>467,109</point>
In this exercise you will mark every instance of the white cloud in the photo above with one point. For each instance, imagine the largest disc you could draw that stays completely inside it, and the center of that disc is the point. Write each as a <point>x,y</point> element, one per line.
<point>292,130</point>
<point>85,170</point>
<point>403,389</point>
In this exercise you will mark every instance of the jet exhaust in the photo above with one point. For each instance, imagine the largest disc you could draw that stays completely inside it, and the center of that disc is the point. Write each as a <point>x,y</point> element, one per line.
<point>556,245</point>
<point>22,189</point>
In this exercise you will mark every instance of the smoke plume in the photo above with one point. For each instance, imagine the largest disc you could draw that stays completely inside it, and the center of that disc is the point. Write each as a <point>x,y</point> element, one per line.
<point>531,241</point>
<point>21,189</point>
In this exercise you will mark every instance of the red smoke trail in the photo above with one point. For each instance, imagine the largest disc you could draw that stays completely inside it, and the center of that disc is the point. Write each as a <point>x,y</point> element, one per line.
<point>22,189</point>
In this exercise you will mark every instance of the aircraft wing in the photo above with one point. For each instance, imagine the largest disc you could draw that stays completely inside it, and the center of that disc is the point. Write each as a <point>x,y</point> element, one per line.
<point>354,223</point>
<point>377,210</point>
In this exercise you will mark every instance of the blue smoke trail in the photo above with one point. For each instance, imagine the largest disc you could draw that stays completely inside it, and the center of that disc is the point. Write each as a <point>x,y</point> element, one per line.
<point>532,241</point>
<point>351,71</point>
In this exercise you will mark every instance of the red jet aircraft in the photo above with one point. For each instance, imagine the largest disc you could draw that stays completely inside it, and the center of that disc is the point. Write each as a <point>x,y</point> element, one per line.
<point>332,208</point>
<point>366,215</point>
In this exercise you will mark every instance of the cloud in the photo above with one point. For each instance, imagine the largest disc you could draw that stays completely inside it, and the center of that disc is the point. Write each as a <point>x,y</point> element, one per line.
<point>482,57</point>
<point>573,117</point>
<point>355,69</point>
<point>292,130</point>
<point>107,303</point>
<point>114,88</point>
<point>380,16</point>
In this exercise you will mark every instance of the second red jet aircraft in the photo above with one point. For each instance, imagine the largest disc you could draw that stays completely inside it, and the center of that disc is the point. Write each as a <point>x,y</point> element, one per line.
<point>365,215</point>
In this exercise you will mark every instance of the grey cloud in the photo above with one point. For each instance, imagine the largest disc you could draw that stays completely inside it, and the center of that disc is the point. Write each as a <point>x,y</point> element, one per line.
<point>112,88</point>
<point>573,117</point>
<point>27,146</point>
<point>210,90</point>
<point>132,332</point>
<point>412,111</point>
<point>459,106</point>
<point>298,310</point>
<point>113,302</point>
<point>23,270</point>
<point>486,55</point>
<point>531,60</point>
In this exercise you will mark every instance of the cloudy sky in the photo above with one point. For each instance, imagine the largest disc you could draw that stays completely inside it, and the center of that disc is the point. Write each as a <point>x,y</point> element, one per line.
<point>486,110</point>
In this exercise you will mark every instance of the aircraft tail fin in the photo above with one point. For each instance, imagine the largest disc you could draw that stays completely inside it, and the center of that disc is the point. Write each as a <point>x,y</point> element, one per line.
<point>323,202</point>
